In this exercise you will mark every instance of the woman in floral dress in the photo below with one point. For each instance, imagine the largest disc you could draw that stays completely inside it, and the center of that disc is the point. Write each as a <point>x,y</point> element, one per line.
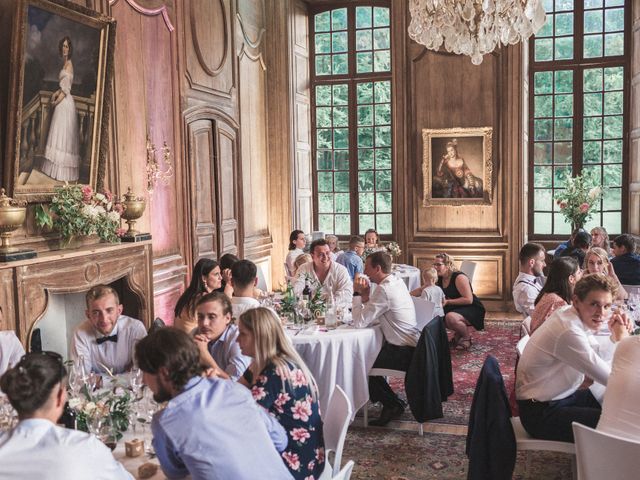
<point>281,383</point>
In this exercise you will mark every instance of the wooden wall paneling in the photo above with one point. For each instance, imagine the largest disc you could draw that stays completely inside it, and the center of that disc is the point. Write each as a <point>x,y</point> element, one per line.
<point>147,103</point>
<point>209,66</point>
<point>7,300</point>
<point>227,163</point>
<point>254,167</point>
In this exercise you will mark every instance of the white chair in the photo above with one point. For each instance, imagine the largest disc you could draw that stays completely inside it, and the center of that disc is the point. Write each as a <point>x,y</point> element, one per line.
<point>632,289</point>
<point>334,431</point>
<point>468,268</point>
<point>526,442</point>
<point>345,473</point>
<point>521,344</point>
<point>526,327</point>
<point>424,311</point>
<point>603,455</point>
<point>262,282</point>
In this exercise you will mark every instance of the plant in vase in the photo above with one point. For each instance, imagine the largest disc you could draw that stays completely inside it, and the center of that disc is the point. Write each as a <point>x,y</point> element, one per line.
<point>579,199</point>
<point>78,211</point>
<point>394,250</point>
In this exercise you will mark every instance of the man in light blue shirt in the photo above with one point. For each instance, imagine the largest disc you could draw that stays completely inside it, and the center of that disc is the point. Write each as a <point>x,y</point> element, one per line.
<point>352,258</point>
<point>211,428</point>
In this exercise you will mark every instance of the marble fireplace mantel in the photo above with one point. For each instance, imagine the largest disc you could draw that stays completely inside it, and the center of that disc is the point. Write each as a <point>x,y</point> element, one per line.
<point>26,286</point>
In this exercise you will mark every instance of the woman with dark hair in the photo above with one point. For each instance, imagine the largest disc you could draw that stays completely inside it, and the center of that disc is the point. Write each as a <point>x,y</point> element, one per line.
<point>226,261</point>
<point>37,447</point>
<point>62,152</point>
<point>557,290</point>
<point>297,242</point>
<point>461,306</point>
<point>281,383</point>
<point>371,239</point>
<point>206,278</point>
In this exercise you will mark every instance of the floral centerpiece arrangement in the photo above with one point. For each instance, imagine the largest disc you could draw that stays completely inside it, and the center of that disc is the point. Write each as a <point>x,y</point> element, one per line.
<point>76,210</point>
<point>112,405</point>
<point>394,249</point>
<point>579,199</point>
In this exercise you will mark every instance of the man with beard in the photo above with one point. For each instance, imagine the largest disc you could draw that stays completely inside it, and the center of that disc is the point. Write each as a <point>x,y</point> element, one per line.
<point>211,428</point>
<point>530,280</point>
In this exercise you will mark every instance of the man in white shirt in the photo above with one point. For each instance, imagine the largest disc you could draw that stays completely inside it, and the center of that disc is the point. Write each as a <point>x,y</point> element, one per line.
<point>216,337</point>
<point>530,280</point>
<point>244,277</point>
<point>391,306</point>
<point>332,277</point>
<point>559,355</point>
<point>106,339</point>
<point>11,350</point>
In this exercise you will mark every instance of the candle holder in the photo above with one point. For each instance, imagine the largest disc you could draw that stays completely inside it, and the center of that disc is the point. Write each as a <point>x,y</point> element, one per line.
<point>12,215</point>
<point>133,209</point>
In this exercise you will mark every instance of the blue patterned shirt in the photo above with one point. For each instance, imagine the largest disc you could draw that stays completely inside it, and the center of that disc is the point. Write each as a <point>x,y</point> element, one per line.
<point>352,261</point>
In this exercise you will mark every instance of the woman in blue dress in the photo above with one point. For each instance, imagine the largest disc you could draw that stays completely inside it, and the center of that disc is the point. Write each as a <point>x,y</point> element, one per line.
<point>281,383</point>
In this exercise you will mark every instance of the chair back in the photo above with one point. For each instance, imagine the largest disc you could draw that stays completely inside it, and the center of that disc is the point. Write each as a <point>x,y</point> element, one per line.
<point>157,324</point>
<point>521,344</point>
<point>424,311</point>
<point>632,289</point>
<point>335,427</point>
<point>603,455</point>
<point>345,473</point>
<point>262,282</point>
<point>468,268</point>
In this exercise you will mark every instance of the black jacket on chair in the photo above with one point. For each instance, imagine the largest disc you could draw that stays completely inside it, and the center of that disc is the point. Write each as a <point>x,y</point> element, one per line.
<point>429,380</point>
<point>491,443</point>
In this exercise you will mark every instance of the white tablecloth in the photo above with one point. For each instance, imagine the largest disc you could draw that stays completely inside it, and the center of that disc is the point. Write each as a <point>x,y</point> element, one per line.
<point>408,273</point>
<point>342,357</point>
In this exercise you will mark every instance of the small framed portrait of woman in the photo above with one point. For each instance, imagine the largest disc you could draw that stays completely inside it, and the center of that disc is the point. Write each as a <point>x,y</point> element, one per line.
<point>457,166</point>
<point>58,111</point>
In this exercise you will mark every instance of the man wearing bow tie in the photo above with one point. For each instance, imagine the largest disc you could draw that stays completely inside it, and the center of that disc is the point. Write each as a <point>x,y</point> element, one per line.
<point>106,339</point>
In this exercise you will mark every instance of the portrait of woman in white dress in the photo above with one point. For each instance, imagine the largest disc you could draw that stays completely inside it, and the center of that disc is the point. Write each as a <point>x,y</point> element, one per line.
<point>62,152</point>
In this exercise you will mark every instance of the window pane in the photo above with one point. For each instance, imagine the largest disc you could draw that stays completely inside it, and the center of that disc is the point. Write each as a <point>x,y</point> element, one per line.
<point>382,61</point>
<point>542,152</point>
<point>542,223</point>
<point>323,43</point>
<point>593,21</point>
<point>341,181</point>
<point>339,42</point>
<point>383,201</point>
<point>612,199</point>
<point>322,22</point>
<point>543,49</point>
<point>325,181</point>
<point>562,152</point>
<point>612,176</point>
<point>614,44</point>
<point>342,202</point>
<point>367,202</point>
<point>341,159</point>
<point>542,199</point>
<point>381,17</point>
<point>543,106</point>
<point>383,136</point>
<point>340,94</point>
<point>593,80</point>
<point>364,62</point>
<point>564,23</point>
<point>339,19</point>
<point>366,181</point>
<point>613,78</point>
<point>323,65</point>
<point>612,151</point>
<point>365,115</point>
<point>613,127</point>
<point>381,38</point>
<point>592,46</point>
<point>325,223</point>
<point>363,17</point>
<point>365,158</point>
<point>343,225</point>
<point>323,117</point>
<point>325,161</point>
<point>363,40</point>
<point>614,20</point>
<point>365,137</point>
<point>323,95</point>
<point>383,114</point>
<point>340,66</point>
<point>325,203</point>
<point>365,93</point>
<point>384,224</point>
<point>383,158</point>
<point>613,103</point>
<point>383,180</point>
<point>366,222</point>
<point>340,117</point>
<point>543,82</point>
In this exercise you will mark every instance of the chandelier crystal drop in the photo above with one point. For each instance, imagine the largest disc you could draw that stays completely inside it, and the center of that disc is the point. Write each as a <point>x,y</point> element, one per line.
<point>474,27</point>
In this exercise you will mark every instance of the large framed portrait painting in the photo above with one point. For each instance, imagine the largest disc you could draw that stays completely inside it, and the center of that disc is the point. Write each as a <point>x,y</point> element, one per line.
<point>457,166</point>
<point>58,112</point>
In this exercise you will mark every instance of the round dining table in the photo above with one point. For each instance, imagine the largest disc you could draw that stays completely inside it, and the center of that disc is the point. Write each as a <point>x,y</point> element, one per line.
<point>342,356</point>
<point>408,273</point>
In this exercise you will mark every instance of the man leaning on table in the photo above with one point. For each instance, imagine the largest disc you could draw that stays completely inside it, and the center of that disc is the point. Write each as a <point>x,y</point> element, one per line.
<point>559,355</point>
<point>211,429</point>
<point>106,338</point>
<point>332,276</point>
<point>391,306</point>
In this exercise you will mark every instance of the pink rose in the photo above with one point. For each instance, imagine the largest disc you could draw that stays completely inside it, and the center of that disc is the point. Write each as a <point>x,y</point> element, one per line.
<point>562,205</point>
<point>584,207</point>
<point>300,434</point>
<point>121,231</point>
<point>108,195</point>
<point>87,192</point>
<point>118,207</point>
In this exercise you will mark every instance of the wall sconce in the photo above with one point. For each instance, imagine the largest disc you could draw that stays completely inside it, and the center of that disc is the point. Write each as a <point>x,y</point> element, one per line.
<point>155,173</point>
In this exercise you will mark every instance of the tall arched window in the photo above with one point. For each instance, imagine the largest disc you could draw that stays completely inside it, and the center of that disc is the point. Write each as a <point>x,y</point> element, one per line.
<point>578,109</point>
<point>351,98</point>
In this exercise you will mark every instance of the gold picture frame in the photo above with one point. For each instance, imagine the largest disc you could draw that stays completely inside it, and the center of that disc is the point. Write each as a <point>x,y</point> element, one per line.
<point>457,166</point>
<point>58,110</point>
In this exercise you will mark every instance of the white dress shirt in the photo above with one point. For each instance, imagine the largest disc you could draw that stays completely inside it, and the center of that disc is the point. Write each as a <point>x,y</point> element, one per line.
<point>291,258</point>
<point>117,356</point>
<point>525,290</point>
<point>240,305</point>
<point>11,350</point>
<point>337,281</point>
<point>391,305</point>
<point>620,414</point>
<point>558,356</point>
<point>36,448</point>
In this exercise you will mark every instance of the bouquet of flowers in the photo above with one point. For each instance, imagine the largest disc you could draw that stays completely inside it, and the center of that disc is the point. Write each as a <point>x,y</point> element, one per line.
<point>394,249</point>
<point>113,406</point>
<point>76,210</point>
<point>577,201</point>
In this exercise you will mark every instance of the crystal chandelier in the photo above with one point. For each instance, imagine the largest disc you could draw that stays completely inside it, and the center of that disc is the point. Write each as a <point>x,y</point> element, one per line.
<point>474,27</point>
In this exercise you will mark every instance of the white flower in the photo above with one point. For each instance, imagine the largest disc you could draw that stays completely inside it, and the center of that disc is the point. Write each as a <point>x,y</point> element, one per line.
<point>89,211</point>
<point>594,193</point>
<point>75,403</point>
<point>113,216</point>
<point>100,197</point>
<point>90,407</point>
<point>100,209</point>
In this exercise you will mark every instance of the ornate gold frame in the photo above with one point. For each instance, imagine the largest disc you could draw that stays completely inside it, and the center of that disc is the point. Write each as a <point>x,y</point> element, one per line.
<point>487,164</point>
<point>98,143</point>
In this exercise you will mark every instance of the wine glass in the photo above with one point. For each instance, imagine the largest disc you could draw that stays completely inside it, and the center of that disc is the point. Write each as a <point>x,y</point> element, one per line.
<point>135,380</point>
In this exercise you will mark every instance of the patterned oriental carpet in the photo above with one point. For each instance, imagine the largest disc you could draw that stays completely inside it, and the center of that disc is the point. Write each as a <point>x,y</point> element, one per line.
<point>499,339</point>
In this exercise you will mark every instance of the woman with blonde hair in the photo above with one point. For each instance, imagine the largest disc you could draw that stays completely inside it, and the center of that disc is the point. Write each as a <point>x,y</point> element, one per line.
<point>596,260</point>
<point>461,306</point>
<point>282,384</point>
<point>600,238</point>
<point>301,260</point>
